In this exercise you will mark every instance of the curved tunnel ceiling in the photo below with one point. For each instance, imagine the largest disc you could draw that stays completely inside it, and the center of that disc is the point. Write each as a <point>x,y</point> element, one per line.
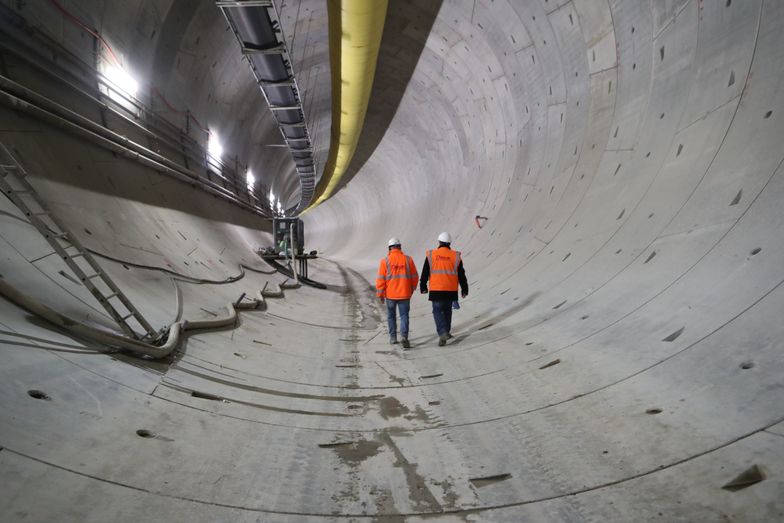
<point>611,172</point>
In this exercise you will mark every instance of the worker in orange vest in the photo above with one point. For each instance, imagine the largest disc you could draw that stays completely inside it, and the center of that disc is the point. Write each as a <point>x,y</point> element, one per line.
<point>396,280</point>
<point>444,268</point>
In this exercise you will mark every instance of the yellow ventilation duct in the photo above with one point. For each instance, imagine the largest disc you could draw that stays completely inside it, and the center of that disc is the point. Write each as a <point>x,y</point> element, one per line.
<point>355,29</point>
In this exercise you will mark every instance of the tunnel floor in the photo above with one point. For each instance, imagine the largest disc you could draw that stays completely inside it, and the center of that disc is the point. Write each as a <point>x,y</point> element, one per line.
<point>305,411</point>
<point>611,171</point>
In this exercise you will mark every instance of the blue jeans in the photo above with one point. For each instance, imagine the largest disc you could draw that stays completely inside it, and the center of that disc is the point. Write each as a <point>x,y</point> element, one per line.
<point>442,313</point>
<point>404,306</point>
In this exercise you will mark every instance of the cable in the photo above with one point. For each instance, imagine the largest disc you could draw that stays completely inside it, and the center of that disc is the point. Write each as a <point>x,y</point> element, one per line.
<point>82,330</point>
<point>93,32</point>
<point>183,277</point>
<point>185,113</point>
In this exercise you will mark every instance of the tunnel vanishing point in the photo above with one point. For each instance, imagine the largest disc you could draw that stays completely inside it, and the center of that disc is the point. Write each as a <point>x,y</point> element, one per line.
<point>611,171</point>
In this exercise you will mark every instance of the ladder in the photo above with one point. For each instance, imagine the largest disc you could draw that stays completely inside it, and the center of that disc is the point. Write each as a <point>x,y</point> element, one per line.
<point>14,184</point>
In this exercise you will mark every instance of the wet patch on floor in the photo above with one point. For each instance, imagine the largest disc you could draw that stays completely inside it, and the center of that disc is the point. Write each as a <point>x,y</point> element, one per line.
<point>449,496</point>
<point>385,506</point>
<point>418,492</point>
<point>394,379</point>
<point>353,452</point>
<point>390,407</point>
<point>418,414</point>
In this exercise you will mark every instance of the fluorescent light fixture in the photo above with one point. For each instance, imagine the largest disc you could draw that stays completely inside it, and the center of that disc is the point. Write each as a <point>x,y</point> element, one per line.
<point>251,180</point>
<point>214,147</point>
<point>118,84</point>
<point>120,79</point>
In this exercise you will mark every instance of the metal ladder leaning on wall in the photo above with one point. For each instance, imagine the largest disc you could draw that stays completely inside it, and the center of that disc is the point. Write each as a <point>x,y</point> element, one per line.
<point>14,184</point>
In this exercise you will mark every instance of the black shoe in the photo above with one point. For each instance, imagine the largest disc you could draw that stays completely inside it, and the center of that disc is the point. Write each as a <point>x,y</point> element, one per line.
<point>442,340</point>
<point>405,343</point>
<point>449,336</point>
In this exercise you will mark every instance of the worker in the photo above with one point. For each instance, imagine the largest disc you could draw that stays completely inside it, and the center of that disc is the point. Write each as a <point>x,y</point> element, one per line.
<point>444,268</point>
<point>395,283</point>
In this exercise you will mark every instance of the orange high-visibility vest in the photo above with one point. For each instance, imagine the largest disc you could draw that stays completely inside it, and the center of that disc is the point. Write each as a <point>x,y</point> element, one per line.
<point>397,276</point>
<point>443,269</point>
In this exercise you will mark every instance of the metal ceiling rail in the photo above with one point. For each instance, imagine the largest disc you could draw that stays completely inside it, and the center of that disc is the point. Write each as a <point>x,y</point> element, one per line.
<point>256,25</point>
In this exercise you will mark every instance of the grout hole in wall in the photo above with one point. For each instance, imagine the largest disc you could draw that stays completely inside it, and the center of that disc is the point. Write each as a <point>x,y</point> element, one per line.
<point>37,394</point>
<point>674,336</point>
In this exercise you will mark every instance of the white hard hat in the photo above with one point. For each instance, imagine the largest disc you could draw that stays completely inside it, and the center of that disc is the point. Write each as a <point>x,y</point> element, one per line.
<point>393,241</point>
<point>444,237</point>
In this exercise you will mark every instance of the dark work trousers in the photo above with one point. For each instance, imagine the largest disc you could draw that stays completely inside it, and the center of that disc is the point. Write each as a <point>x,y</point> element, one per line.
<point>442,313</point>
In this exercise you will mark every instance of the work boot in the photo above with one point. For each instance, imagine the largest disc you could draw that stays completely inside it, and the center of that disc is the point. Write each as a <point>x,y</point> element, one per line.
<point>442,340</point>
<point>393,340</point>
<point>405,343</point>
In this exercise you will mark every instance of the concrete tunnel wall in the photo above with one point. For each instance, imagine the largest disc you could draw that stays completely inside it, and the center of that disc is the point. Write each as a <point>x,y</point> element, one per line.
<point>619,356</point>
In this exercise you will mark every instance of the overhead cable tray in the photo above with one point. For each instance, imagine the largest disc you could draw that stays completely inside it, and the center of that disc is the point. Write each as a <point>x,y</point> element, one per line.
<point>256,25</point>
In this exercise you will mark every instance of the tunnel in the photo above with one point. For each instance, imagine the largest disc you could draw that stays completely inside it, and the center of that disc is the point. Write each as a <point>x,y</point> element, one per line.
<point>610,170</point>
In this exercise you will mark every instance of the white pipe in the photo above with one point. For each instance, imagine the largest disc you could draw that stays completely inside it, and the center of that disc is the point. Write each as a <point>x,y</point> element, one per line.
<point>293,262</point>
<point>115,340</point>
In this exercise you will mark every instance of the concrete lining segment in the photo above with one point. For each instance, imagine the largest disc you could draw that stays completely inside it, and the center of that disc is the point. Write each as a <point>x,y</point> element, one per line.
<point>627,157</point>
